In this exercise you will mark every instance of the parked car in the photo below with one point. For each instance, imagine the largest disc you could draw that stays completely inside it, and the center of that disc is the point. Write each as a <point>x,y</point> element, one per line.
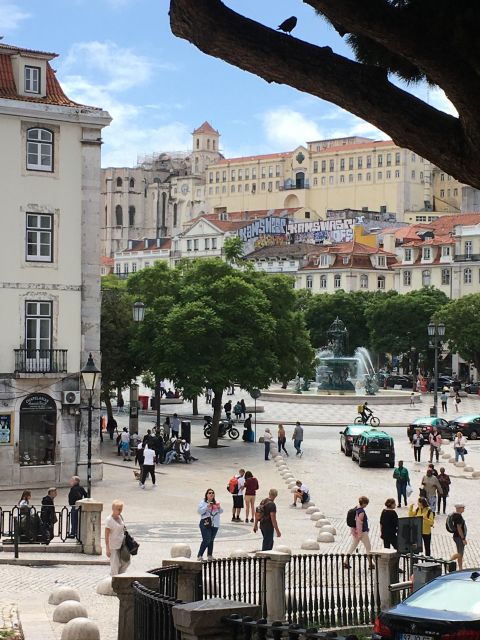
<point>374,447</point>
<point>469,425</point>
<point>473,387</point>
<point>405,381</point>
<point>445,608</point>
<point>348,436</point>
<point>445,381</point>
<point>426,425</point>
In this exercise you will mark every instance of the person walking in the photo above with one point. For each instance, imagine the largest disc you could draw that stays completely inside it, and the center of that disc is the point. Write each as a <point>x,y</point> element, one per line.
<point>237,410</point>
<point>444,400</point>
<point>435,440</point>
<point>236,485</point>
<point>209,510</point>
<point>227,407</point>
<point>139,456</point>
<point>417,444</point>
<point>266,517</point>
<point>125,445</point>
<point>445,482</point>
<point>389,525</point>
<point>360,531</point>
<point>297,438</point>
<point>459,446</point>
<point>267,441</point>
<point>77,492</point>
<point>459,533</point>
<point>457,401</point>
<point>114,537</point>
<point>112,426</point>
<point>244,408</point>
<point>148,466</point>
<point>402,481</point>
<point>251,488</point>
<point>302,493</point>
<point>120,403</point>
<point>282,439</point>
<point>208,395</point>
<point>27,518</point>
<point>48,516</point>
<point>431,486</point>
<point>422,510</point>
<point>248,431</point>
<point>175,425</point>
<point>158,446</point>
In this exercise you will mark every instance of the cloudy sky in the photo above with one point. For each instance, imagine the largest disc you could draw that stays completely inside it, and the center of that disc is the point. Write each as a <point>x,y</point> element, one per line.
<point>121,55</point>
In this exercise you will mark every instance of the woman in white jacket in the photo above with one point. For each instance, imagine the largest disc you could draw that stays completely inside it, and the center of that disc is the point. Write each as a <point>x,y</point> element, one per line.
<point>459,446</point>
<point>209,510</point>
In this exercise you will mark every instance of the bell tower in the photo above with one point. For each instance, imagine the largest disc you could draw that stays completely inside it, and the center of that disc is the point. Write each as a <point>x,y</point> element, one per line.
<point>205,145</point>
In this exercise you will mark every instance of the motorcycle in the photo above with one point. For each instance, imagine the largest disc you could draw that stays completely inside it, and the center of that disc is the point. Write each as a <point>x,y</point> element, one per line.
<point>225,427</point>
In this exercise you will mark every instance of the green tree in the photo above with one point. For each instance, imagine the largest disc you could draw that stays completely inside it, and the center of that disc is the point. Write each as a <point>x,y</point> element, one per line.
<point>120,363</point>
<point>233,249</point>
<point>208,324</point>
<point>462,326</point>
<point>413,40</point>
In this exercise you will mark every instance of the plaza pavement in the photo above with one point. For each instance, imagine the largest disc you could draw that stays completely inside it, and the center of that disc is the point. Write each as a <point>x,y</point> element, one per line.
<point>158,518</point>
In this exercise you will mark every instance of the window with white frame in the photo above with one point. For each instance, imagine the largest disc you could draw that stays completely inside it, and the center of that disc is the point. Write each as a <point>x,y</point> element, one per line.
<point>323,282</point>
<point>342,178</point>
<point>363,281</point>
<point>426,277</point>
<point>397,158</point>
<point>407,278</point>
<point>189,245</point>
<point>195,244</point>
<point>467,276</point>
<point>32,79</point>
<point>39,149</point>
<point>214,243</point>
<point>38,327</point>
<point>468,248</point>
<point>381,261</point>
<point>408,255</point>
<point>381,282</point>
<point>39,238</point>
<point>337,281</point>
<point>346,259</point>
<point>207,244</point>
<point>134,267</point>
<point>117,268</point>
<point>309,282</point>
<point>323,261</point>
<point>427,253</point>
<point>445,276</point>
<point>445,251</point>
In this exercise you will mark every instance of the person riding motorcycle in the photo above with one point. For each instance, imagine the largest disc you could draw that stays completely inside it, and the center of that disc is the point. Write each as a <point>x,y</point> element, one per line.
<point>365,412</point>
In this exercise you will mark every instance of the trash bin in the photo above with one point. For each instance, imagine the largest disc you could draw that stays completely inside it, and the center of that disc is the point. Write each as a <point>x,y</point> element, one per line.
<point>250,436</point>
<point>186,430</point>
<point>432,412</point>
<point>143,400</point>
<point>424,572</point>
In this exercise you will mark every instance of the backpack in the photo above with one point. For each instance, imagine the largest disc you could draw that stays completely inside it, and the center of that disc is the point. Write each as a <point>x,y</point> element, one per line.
<point>232,486</point>
<point>359,408</point>
<point>260,510</point>
<point>352,518</point>
<point>449,525</point>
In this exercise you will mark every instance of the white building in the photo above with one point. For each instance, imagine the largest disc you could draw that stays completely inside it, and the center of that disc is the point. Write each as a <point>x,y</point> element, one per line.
<point>50,268</point>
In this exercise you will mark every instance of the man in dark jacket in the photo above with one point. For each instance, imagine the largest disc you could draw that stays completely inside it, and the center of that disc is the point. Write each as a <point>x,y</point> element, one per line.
<point>48,515</point>
<point>77,492</point>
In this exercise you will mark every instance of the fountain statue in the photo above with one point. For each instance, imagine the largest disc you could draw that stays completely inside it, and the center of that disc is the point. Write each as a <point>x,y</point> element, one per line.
<point>338,372</point>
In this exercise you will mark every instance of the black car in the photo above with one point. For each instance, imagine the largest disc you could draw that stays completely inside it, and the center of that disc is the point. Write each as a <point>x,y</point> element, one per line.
<point>469,425</point>
<point>473,387</point>
<point>374,447</point>
<point>426,425</point>
<point>445,381</point>
<point>447,608</point>
<point>348,436</point>
<point>405,381</point>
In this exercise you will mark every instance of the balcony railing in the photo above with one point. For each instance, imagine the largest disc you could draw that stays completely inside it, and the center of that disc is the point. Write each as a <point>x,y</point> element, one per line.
<point>40,360</point>
<point>467,257</point>
<point>289,186</point>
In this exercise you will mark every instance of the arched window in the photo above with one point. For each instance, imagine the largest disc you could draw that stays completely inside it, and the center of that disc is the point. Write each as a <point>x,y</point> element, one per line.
<point>132,183</point>
<point>426,278</point>
<point>213,145</point>
<point>131,216</point>
<point>175,214</point>
<point>164,208</point>
<point>118,216</point>
<point>300,180</point>
<point>40,149</point>
<point>337,281</point>
<point>198,143</point>
<point>309,282</point>
<point>119,182</point>
<point>38,430</point>
<point>363,281</point>
<point>323,282</point>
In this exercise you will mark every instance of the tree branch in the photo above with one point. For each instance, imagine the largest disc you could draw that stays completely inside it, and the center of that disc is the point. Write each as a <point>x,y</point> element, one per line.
<point>362,90</point>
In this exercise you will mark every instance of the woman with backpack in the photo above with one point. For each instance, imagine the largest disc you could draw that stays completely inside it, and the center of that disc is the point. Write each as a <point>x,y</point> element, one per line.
<point>209,510</point>
<point>422,510</point>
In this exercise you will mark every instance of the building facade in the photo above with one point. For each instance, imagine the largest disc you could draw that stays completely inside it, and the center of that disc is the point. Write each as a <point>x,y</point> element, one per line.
<point>50,271</point>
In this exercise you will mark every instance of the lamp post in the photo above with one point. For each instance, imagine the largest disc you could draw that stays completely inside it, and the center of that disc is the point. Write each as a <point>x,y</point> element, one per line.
<point>435,331</point>
<point>138,311</point>
<point>89,376</point>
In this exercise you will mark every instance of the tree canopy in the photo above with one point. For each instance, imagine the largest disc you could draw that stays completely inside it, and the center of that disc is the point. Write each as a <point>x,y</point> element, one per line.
<point>413,40</point>
<point>462,326</point>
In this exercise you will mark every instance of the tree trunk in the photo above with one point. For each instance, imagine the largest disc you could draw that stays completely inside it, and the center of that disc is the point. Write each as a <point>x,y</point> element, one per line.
<point>217,414</point>
<point>108,404</point>
<point>195,406</point>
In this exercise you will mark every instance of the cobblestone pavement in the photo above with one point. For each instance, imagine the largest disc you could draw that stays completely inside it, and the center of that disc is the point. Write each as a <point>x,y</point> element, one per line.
<point>160,518</point>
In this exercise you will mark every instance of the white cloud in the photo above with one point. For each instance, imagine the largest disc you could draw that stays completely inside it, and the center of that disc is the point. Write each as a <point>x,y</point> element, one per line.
<point>437,98</point>
<point>286,128</point>
<point>11,16</point>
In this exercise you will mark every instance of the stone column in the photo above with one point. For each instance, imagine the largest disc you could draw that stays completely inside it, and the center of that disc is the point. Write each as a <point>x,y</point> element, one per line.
<point>122,585</point>
<point>91,525</point>
<point>387,566</point>
<point>203,620</point>
<point>189,584</point>
<point>275,583</point>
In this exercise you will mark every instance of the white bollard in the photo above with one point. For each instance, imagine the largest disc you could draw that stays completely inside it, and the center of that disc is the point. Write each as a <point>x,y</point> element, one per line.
<point>69,609</point>
<point>80,629</point>
<point>60,594</point>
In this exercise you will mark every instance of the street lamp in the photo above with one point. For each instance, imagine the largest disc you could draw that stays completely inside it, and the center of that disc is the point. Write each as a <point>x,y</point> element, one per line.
<point>138,311</point>
<point>435,331</point>
<point>138,316</point>
<point>89,376</point>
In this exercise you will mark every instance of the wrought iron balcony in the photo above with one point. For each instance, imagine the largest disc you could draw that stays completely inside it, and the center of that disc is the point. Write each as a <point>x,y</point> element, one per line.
<point>40,360</point>
<point>289,186</point>
<point>467,257</point>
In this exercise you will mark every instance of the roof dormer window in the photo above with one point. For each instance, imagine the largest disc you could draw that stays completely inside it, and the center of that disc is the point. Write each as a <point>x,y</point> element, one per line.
<point>31,79</point>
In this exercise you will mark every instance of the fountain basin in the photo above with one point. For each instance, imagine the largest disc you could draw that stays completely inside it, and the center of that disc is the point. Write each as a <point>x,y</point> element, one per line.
<point>339,397</point>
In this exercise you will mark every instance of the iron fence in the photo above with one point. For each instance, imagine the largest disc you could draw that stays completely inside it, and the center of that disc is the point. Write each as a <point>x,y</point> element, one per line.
<point>32,529</point>
<point>240,579</point>
<point>167,580</point>
<point>321,590</point>
<point>153,616</point>
<point>245,628</point>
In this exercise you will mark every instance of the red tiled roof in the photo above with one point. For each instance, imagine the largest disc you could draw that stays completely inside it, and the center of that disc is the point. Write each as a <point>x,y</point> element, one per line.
<point>445,224</point>
<point>26,52</point>
<point>107,261</point>
<point>206,127</point>
<point>354,146</point>
<point>8,89</point>
<point>268,156</point>
<point>244,216</point>
<point>350,248</point>
<point>223,225</point>
<point>437,240</point>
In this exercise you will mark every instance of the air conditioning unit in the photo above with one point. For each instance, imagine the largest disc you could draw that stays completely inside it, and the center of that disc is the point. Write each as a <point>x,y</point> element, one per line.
<point>70,397</point>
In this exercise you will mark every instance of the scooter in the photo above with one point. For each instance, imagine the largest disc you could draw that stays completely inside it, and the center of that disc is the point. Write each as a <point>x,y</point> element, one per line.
<point>224,427</point>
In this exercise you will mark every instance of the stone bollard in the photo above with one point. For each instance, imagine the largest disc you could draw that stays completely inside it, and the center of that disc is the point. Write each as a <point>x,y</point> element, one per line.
<point>468,469</point>
<point>180,550</point>
<point>91,525</point>
<point>62,593</point>
<point>204,620</point>
<point>275,583</point>
<point>104,587</point>
<point>122,585</point>
<point>80,629</point>
<point>189,584</point>
<point>310,545</point>
<point>324,536</point>
<point>69,609</point>
<point>387,561</point>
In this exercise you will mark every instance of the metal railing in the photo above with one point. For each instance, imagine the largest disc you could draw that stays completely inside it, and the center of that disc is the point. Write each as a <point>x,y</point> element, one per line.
<point>245,628</point>
<point>33,530</point>
<point>240,579</point>
<point>40,360</point>
<point>153,617</point>
<point>406,563</point>
<point>321,590</point>
<point>167,580</point>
